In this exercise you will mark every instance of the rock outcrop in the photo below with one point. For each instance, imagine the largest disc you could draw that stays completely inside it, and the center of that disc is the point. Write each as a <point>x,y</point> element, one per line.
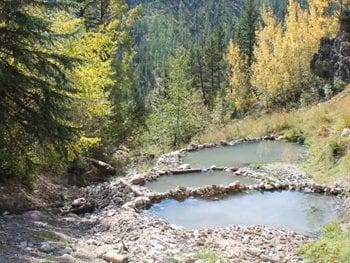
<point>333,58</point>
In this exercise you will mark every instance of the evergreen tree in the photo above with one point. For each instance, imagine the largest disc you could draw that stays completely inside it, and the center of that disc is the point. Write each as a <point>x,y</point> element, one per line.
<point>247,26</point>
<point>208,67</point>
<point>34,86</point>
<point>177,114</point>
<point>107,107</point>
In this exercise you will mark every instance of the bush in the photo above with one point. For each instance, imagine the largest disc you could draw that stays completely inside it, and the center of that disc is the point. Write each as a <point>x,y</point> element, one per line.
<point>14,167</point>
<point>296,136</point>
<point>334,246</point>
<point>336,149</point>
<point>209,255</point>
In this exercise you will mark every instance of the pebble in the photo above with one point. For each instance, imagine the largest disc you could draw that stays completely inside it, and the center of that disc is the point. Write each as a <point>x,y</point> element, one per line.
<point>46,247</point>
<point>114,257</point>
<point>66,258</point>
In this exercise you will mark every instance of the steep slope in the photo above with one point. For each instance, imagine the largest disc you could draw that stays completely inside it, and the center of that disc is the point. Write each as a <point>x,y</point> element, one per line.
<point>324,127</point>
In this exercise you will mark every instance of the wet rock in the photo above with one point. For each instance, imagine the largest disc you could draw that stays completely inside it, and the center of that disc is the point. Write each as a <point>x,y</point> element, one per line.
<point>224,143</point>
<point>114,257</point>
<point>185,166</point>
<point>269,187</point>
<point>269,138</point>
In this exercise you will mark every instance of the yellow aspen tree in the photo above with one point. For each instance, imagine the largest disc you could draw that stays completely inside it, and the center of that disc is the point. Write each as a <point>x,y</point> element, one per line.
<point>239,91</point>
<point>265,71</point>
<point>282,72</point>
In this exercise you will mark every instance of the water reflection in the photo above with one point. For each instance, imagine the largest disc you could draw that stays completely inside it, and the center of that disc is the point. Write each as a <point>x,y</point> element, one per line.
<point>247,153</point>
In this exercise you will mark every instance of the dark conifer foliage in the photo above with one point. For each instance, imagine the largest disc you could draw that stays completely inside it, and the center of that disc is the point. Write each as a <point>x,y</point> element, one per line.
<point>34,86</point>
<point>247,26</point>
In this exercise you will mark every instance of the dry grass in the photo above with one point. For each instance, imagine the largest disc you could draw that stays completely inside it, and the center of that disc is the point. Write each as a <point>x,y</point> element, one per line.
<point>321,125</point>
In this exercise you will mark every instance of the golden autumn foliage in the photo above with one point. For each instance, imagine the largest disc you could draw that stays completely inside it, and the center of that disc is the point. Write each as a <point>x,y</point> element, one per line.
<point>281,71</point>
<point>97,74</point>
<point>239,90</point>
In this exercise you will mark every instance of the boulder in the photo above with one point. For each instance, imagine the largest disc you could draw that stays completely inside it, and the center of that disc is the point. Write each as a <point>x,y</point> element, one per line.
<point>141,202</point>
<point>138,180</point>
<point>333,57</point>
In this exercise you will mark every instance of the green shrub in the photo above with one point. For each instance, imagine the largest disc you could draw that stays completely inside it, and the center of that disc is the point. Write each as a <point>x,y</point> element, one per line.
<point>336,149</point>
<point>334,246</point>
<point>296,136</point>
<point>14,167</point>
<point>209,255</point>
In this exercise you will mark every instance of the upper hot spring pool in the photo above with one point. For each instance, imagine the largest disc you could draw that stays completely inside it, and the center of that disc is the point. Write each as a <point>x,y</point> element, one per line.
<point>247,153</point>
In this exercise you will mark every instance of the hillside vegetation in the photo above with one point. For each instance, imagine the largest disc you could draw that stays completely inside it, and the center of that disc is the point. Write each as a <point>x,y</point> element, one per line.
<point>320,126</point>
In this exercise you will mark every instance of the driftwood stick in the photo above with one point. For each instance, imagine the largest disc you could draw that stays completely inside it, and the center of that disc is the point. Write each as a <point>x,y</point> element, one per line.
<point>186,171</point>
<point>105,167</point>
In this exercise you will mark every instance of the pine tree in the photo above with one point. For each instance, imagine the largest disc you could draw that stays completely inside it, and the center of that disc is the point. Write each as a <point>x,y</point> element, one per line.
<point>35,88</point>
<point>107,108</point>
<point>177,114</point>
<point>247,26</point>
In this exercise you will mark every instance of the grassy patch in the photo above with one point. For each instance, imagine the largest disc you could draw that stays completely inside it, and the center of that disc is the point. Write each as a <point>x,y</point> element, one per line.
<point>43,236</point>
<point>319,126</point>
<point>334,246</point>
<point>209,255</point>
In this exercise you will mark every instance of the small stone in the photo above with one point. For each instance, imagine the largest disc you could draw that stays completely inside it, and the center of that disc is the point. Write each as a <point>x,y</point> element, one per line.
<point>113,257</point>
<point>23,244</point>
<point>66,258</point>
<point>268,187</point>
<point>185,166</point>
<point>345,132</point>
<point>65,251</point>
<point>224,143</point>
<point>78,202</point>
<point>46,247</point>
<point>213,167</point>
<point>35,215</point>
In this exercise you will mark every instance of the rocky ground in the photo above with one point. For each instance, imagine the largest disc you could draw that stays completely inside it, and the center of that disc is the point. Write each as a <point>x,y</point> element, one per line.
<point>118,232</point>
<point>112,227</point>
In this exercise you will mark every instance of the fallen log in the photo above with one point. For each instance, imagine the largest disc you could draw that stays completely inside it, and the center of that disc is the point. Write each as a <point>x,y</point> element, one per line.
<point>102,166</point>
<point>85,208</point>
<point>185,171</point>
